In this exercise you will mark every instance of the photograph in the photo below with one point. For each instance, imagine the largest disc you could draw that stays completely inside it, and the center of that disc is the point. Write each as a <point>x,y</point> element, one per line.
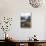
<point>26,20</point>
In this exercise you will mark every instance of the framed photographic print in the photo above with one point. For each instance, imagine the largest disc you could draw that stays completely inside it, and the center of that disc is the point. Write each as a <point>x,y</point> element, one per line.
<point>26,20</point>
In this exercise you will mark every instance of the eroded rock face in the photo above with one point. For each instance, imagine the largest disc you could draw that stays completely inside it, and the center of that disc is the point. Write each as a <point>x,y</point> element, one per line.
<point>35,3</point>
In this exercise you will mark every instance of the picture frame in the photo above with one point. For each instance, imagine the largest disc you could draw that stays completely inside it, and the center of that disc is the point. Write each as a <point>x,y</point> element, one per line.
<point>26,20</point>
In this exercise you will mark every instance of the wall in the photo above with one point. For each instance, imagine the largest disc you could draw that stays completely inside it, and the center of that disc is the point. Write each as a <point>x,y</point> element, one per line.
<point>13,8</point>
<point>45,28</point>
